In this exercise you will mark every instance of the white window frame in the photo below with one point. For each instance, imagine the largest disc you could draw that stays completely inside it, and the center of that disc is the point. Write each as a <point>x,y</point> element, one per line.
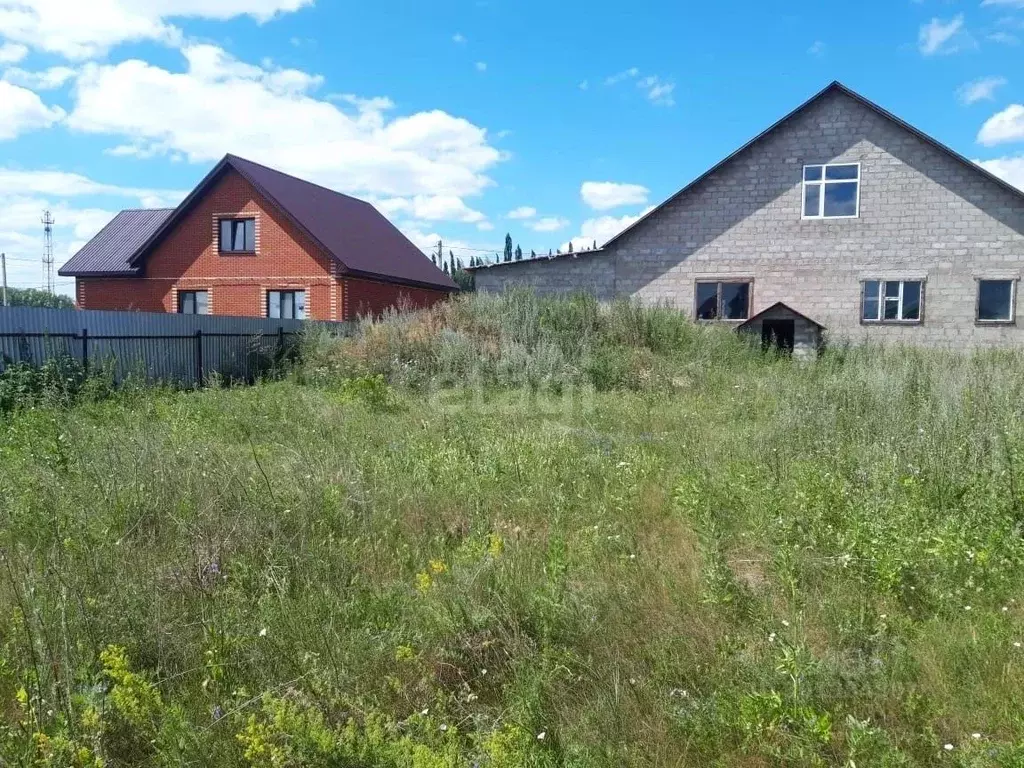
<point>195,292</point>
<point>1013,301</point>
<point>295,305</point>
<point>821,194</point>
<point>881,318</point>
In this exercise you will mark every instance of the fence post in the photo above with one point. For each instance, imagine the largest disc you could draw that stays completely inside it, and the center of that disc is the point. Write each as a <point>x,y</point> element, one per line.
<point>199,357</point>
<point>85,351</point>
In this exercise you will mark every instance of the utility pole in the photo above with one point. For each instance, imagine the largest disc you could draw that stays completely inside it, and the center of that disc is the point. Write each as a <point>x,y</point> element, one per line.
<point>440,254</point>
<point>3,274</point>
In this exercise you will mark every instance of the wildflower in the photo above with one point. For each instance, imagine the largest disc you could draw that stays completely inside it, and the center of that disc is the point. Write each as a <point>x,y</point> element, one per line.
<point>423,583</point>
<point>425,712</point>
<point>632,557</point>
<point>1005,609</point>
<point>948,747</point>
<point>542,735</point>
<point>785,623</point>
<point>967,607</point>
<point>771,638</point>
<point>975,735</point>
<point>438,566</point>
<point>263,632</point>
<point>443,727</point>
<point>1016,645</point>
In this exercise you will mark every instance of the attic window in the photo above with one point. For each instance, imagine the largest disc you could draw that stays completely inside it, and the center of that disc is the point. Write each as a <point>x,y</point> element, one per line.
<point>832,191</point>
<point>237,236</point>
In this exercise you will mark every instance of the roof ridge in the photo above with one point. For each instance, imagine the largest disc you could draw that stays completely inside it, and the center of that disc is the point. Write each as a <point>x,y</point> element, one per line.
<point>231,157</point>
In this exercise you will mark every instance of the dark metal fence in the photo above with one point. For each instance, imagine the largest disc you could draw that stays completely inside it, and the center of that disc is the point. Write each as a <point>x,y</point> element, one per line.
<point>184,349</point>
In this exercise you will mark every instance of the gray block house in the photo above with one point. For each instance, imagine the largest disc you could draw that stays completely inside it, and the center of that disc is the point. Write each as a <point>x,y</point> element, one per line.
<point>840,221</point>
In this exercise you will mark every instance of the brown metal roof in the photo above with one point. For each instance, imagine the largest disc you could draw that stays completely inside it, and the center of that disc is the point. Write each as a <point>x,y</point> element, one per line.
<point>350,230</point>
<point>111,250</point>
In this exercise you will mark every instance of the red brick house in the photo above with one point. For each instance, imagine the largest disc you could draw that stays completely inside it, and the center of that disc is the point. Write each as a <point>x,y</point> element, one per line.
<point>253,241</point>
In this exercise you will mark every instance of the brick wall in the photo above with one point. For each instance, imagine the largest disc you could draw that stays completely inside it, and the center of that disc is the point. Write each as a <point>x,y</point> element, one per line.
<point>188,259</point>
<point>923,215</point>
<point>368,297</point>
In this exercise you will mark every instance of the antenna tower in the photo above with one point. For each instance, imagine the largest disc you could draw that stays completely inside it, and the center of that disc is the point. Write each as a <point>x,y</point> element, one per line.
<point>48,250</point>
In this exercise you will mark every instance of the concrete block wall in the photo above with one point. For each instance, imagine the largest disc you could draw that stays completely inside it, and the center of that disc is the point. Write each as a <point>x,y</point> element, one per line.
<point>923,215</point>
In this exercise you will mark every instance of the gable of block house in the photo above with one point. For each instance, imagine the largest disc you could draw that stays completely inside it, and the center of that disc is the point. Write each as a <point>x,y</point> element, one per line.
<point>925,217</point>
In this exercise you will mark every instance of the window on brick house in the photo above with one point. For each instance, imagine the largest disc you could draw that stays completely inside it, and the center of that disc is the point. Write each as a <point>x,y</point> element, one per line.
<point>996,301</point>
<point>194,302</point>
<point>723,301</point>
<point>891,301</point>
<point>290,305</point>
<point>237,236</point>
<point>832,191</point>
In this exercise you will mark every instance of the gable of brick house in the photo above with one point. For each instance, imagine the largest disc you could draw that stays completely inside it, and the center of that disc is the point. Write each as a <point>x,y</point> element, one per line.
<point>182,255</point>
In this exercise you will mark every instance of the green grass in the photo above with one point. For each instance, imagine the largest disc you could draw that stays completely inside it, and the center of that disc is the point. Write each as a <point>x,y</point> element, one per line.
<point>630,542</point>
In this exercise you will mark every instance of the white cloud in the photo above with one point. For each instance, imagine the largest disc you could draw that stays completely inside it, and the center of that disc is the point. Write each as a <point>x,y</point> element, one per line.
<point>658,91</point>
<point>45,80</point>
<point>602,229</point>
<point>12,53</point>
<point>1005,3</point>
<point>626,74</point>
<point>80,30</point>
<point>1003,37</point>
<point>481,66</point>
<point>62,184</point>
<point>817,48</point>
<point>549,224</point>
<point>939,37</point>
<point>983,89</point>
<point>22,110</point>
<point>485,226</point>
<point>602,195</point>
<point>522,212</point>
<point>1003,127</point>
<point>431,208</point>
<point>1010,169</point>
<point>458,37</point>
<point>359,150</point>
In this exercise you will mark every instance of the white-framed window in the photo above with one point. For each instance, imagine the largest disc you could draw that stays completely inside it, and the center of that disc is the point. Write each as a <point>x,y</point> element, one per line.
<point>832,191</point>
<point>237,236</point>
<point>194,302</point>
<point>721,300</point>
<point>286,304</point>
<point>891,301</point>
<point>996,301</point>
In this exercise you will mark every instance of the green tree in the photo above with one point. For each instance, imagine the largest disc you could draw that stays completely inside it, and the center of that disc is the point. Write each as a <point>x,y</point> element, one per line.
<point>508,247</point>
<point>519,253</point>
<point>570,246</point>
<point>33,297</point>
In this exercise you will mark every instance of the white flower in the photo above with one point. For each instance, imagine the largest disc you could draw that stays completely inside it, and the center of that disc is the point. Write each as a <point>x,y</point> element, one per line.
<point>948,747</point>
<point>785,623</point>
<point>443,727</point>
<point>771,638</point>
<point>1005,609</point>
<point>1016,645</point>
<point>542,735</point>
<point>425,712</point>
<point>263,632</point>
<point>975,735</point>
<point>967,607</point>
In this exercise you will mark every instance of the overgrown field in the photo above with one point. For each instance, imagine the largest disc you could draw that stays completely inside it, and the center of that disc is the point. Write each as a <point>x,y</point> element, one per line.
<point>517,533</point>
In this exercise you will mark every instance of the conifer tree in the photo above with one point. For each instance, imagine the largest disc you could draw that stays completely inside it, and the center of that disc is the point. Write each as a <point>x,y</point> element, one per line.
<point>570,246</point>
<point>519,253</point>
<point>508,247</point>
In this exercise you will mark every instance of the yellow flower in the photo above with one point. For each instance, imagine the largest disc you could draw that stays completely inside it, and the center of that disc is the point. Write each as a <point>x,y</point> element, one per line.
<point>423,583</point>
<point>438,566</point>
<point>495,545</point>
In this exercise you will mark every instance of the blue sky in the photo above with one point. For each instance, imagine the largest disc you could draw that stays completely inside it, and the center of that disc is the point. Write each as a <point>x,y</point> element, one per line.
<point>462,120</point>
